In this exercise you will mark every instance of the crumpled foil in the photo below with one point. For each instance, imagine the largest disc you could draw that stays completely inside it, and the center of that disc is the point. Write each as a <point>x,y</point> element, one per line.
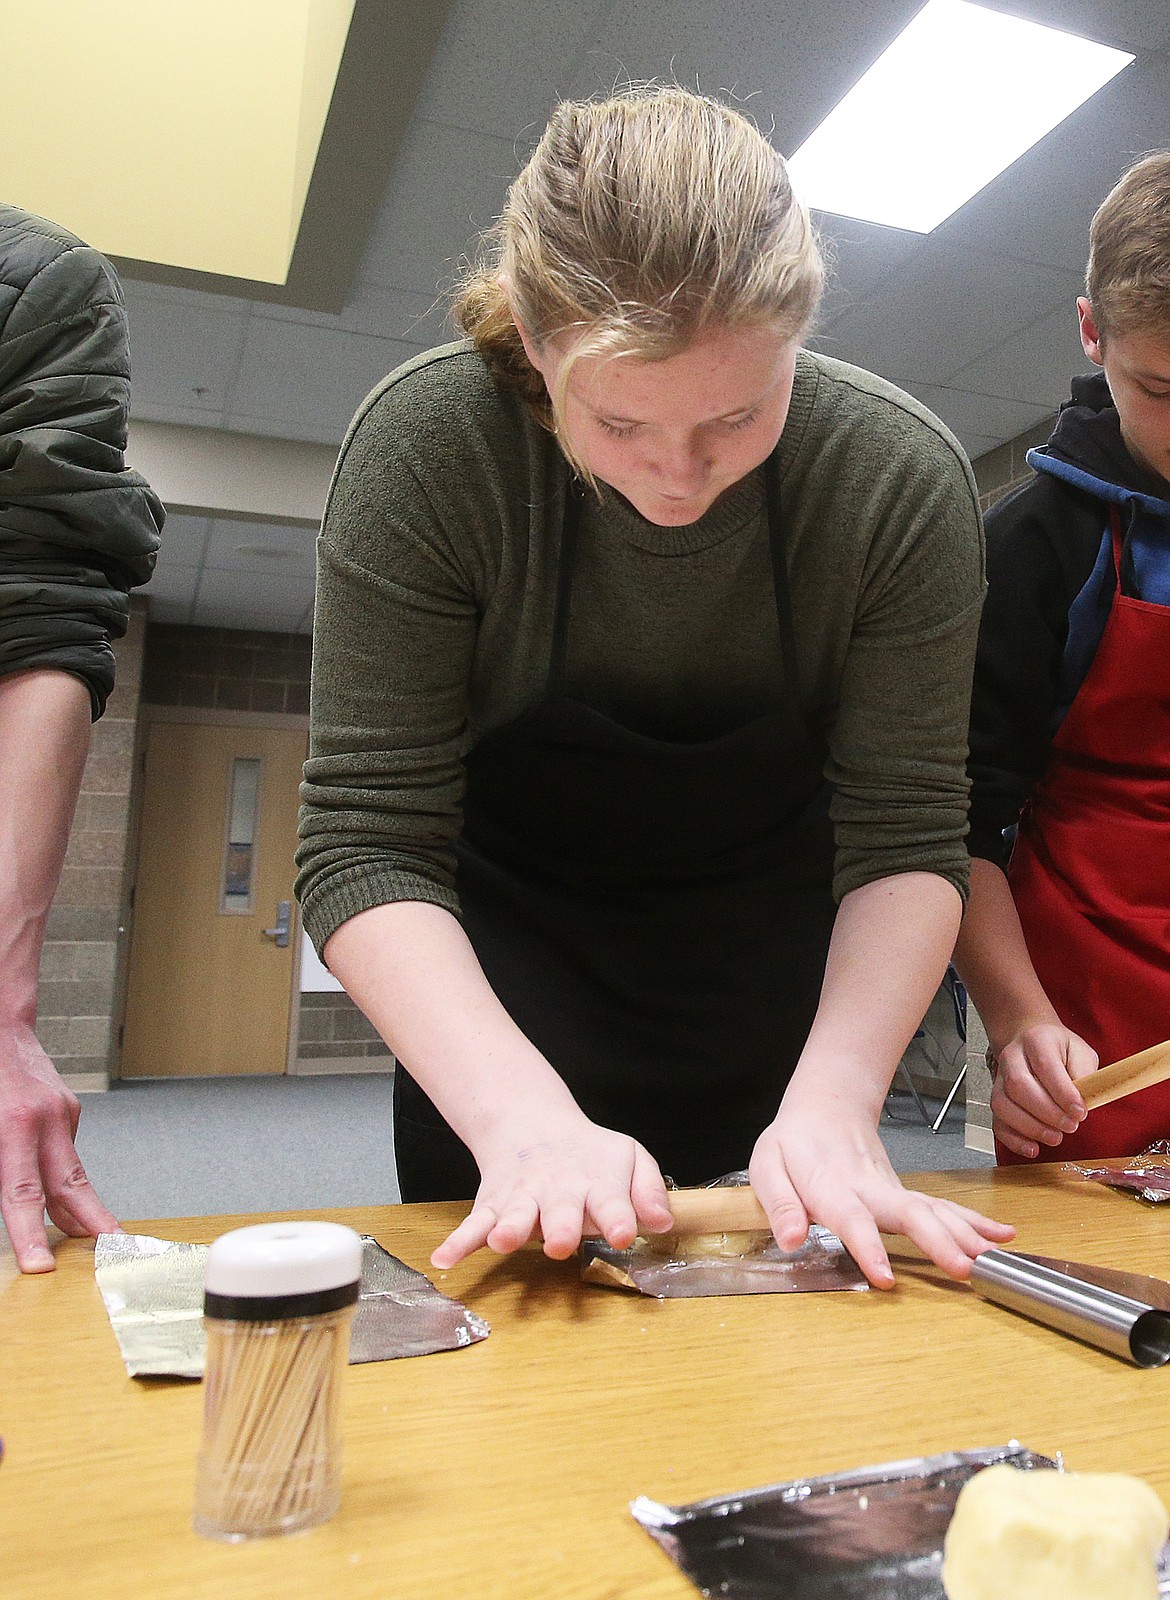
<point>872,1534</point>
<point>153,1292</point>
<point>1144,1176</point>
<point>821,1264</point>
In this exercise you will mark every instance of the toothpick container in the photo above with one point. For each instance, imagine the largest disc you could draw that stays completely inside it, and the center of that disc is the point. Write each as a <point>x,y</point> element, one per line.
<point>278,1304</point>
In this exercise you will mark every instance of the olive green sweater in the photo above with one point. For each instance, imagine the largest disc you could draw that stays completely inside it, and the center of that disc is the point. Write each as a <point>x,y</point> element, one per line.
<point>435,600</point>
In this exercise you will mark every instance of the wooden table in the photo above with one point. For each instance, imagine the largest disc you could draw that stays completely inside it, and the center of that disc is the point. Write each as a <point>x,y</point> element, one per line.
<point>503,1471</point>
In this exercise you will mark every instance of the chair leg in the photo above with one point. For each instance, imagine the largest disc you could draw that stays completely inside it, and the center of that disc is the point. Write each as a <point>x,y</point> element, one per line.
<point>918,1100</point>
<point>936,1125</point>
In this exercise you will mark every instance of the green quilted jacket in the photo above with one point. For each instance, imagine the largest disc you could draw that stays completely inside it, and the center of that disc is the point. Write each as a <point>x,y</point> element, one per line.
<point>78,528</point>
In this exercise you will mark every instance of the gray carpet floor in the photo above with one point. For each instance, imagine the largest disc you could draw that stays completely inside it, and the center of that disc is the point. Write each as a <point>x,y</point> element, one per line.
<point>215,1145</point>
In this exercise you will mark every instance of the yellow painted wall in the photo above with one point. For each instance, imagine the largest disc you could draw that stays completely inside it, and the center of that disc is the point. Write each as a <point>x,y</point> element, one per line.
<point>176,131</point>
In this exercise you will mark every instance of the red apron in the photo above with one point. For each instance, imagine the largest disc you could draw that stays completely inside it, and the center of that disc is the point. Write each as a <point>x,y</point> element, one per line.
<point>1090,871</point>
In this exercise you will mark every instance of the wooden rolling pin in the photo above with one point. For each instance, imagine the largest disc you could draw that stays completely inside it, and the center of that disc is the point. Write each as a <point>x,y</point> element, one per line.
<point>716,1210</point>
<point>1127,1076</point>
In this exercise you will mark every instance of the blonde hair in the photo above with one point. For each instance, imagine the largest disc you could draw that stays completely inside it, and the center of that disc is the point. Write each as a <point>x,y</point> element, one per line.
<point>1128,277</point>
<point>639,222</point>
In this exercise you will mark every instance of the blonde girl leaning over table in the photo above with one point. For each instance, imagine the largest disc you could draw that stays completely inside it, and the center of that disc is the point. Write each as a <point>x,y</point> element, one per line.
<point>635,805</point>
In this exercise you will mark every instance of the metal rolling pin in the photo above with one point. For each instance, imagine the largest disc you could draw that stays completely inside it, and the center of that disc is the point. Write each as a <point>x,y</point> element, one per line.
<point>1124,1327</point>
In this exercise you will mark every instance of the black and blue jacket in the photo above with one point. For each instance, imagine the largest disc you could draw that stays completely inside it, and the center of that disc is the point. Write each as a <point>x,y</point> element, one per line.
<point>1051,584</point>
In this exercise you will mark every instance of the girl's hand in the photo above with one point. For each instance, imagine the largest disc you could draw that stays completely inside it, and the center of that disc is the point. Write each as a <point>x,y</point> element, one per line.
<point>1034,1098</point>
<point>559,1179</point>
<point>826,1165</point>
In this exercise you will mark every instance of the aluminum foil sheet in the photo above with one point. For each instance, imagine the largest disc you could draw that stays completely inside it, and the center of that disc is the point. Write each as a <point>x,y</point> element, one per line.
<point>1147,1176</point>
<point>873,1534</point>
<point>153,1292</point>
<point>821,1264</point>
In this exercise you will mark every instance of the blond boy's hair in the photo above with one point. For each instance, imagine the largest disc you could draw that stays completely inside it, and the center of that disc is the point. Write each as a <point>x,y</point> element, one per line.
<point>1128,277</point>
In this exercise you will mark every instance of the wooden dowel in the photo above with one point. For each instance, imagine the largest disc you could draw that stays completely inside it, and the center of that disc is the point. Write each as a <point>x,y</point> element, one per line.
<point>716,1210</point>
<point>1141,1071</point>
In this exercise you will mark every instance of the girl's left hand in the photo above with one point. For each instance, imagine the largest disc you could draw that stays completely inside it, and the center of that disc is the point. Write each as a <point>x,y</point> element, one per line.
<point>812,1164</point>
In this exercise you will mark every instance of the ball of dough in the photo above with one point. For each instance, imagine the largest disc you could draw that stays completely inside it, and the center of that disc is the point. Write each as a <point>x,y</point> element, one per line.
<point>680,1246</point>
<point>1078,1535</point>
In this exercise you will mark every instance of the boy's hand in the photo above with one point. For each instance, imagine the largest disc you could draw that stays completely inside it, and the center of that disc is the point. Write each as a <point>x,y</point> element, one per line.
<point>1034,1098</point>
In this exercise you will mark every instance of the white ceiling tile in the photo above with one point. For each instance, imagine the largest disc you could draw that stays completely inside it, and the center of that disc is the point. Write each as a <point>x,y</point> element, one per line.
<point>173,612</point>
<point>182,354</point>
<point>978,445</point>
<point>1035,365</point>
<point>973,417</point>
<point>415,319</point>
<point>138,290</point>
<point>175,585</point>
<point>301,431</point>
<point>184,541</point>
<point>447,186</point>
<point>261,549</point>
<point>500,65</point>
<point>1041,207</point>
<point>144,410</point>
<point>261,616</point>
<point>309,377</point>
<point>786,65</point>
<point>285,595</point>
<point>1125,24</point>
<point>861,256</point>
<point>942,312</point>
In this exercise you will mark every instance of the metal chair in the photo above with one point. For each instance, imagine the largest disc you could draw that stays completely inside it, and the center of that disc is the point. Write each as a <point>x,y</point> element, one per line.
<point>954,986</point>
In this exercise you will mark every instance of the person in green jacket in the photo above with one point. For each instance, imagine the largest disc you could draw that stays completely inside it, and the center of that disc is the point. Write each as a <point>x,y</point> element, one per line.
<point>78,529</point>
<point>635,803</point>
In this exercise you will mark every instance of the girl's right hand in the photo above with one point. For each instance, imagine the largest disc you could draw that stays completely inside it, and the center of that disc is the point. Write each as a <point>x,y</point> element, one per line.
<point>562,1180</point>
<point>1034,1098</point>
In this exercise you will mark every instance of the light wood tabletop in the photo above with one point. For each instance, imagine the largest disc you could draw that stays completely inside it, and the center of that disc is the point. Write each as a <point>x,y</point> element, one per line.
<point>504,1471</point>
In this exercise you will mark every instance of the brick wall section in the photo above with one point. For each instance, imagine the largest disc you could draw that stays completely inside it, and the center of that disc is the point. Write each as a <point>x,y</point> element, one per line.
<point>79,979</point>
<point>332,1027</point>
<point>226,668</point>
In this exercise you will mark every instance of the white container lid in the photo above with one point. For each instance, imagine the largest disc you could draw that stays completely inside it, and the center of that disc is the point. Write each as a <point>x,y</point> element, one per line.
<point>283,1258</point>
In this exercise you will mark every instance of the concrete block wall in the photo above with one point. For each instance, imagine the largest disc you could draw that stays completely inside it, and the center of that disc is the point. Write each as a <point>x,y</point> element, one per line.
<point>227,669</point>
<point>334,1035</point>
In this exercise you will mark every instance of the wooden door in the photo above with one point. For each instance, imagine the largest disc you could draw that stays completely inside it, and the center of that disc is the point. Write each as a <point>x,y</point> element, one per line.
<point>209,990</point>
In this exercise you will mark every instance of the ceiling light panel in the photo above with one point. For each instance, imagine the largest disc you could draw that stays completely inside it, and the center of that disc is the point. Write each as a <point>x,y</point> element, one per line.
<point>958,96</point>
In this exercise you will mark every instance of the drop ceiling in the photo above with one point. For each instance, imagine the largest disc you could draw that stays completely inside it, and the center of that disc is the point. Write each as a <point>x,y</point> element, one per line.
<point>976,319</point>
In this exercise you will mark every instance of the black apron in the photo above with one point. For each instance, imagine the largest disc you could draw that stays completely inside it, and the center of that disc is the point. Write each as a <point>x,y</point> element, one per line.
<point>653,915</point>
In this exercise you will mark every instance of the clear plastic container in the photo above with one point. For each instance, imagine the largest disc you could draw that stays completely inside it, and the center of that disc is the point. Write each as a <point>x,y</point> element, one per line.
<point>279,1302</point>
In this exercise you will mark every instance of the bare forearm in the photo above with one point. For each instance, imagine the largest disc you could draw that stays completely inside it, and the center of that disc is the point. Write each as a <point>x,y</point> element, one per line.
<point>993,961</point>
<point>891,943</point>
<point>44,739</point>
<point>411,969</point>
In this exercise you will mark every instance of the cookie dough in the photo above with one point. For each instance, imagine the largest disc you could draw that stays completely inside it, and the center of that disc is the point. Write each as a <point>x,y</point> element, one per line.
<point>687,1246</point>
<point>1081,1536</point>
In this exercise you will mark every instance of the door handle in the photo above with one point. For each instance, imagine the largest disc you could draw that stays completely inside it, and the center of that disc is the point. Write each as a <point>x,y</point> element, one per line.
<point>279,934</point>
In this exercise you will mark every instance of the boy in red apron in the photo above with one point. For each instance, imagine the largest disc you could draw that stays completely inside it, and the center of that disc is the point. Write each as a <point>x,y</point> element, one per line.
<point>1066,942</point>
